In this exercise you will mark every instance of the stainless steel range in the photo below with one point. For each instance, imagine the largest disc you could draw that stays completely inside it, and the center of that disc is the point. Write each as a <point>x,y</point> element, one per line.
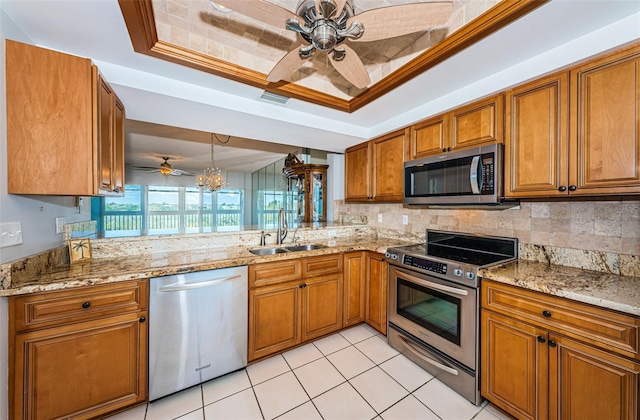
<point>434,303</point>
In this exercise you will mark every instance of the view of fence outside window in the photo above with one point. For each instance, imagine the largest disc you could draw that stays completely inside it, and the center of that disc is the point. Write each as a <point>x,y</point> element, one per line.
<point>158,210</point>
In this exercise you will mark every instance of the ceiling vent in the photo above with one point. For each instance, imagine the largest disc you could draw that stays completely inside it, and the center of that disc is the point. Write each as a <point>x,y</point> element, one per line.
<point>273,98</point>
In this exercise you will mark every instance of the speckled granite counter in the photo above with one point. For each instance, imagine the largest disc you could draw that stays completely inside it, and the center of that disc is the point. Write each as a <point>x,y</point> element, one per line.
<point>606,290</point>
<point>106,270</point>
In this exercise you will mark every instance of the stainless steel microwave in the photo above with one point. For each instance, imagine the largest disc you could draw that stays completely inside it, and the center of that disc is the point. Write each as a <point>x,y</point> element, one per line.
<point>471,176</point>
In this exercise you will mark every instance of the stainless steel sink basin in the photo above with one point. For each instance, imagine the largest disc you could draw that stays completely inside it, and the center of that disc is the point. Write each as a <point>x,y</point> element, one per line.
<point>292,248</point>
<point>268,251</point>
<point>308,247</point>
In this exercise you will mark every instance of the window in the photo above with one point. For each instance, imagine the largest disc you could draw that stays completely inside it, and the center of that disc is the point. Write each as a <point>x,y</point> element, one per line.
<point>156,210</point>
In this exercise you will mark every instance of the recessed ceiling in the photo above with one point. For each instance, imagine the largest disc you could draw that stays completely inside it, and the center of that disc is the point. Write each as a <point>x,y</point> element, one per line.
<point>197,34</point>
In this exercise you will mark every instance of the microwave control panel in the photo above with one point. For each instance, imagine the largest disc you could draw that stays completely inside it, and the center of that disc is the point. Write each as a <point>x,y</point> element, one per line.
<point>488,174</point>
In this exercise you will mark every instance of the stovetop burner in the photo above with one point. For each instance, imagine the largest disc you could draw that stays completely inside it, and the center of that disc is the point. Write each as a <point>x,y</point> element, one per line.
<point>453,255</point>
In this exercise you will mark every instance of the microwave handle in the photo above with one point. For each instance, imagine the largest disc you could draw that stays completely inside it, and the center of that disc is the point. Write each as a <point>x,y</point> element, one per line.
<point>473,175</point>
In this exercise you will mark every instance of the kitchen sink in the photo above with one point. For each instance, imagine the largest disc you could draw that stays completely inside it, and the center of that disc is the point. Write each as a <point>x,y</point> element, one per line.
<point>308,247</point>
<point>292,248</point>
<point>268,251</point>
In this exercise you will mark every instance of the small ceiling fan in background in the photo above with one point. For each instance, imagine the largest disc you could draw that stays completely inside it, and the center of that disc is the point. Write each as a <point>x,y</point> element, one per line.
<point>325,25</point>
<point>165,169</point>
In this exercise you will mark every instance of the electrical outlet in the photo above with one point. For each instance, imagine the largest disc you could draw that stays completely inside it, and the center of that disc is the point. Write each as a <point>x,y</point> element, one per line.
<point>379,217</point>
<point>60,222</point>
<point>10,234</point>
<point>405,219</point>
<point>331,233</point>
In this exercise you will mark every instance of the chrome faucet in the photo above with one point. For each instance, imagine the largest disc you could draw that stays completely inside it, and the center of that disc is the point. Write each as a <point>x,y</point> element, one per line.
<point>282,226</point>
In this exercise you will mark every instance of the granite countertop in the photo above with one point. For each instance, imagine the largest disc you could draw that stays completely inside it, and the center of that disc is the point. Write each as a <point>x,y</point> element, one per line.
<point>605,290</point>
<point>107,270</point>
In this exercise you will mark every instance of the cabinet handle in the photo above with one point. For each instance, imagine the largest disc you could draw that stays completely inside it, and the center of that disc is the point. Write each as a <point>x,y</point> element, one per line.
<point>546,314</point>
<point>562,188</point>
<point>541,339</point>
<point>142,319</point>
<point>301,285</point>
<point>86,305</point>
<point>552,343</point>
<point>572,188</point>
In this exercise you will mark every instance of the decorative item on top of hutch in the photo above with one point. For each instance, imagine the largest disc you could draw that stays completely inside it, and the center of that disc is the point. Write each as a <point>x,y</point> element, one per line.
<point>309,184</point>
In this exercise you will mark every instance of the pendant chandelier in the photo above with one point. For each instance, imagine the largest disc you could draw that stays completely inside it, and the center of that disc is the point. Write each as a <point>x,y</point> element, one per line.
<point>211,179</point>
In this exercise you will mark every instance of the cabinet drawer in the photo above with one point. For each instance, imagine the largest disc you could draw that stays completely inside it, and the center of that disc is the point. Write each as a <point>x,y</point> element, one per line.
<point>274,272</point>
<point>47,309</point>
<point>324,264</point>
<point>600,327</point>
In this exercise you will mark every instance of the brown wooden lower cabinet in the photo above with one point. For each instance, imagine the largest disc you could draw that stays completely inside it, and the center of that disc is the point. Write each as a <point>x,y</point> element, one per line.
<point>354,277</point>
<point>376,299</point>
<point>78,370</point>
<point>537,372</point>
<point>321,306</point>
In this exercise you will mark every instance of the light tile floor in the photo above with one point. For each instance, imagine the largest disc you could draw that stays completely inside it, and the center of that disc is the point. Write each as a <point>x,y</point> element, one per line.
<point>350,375</point>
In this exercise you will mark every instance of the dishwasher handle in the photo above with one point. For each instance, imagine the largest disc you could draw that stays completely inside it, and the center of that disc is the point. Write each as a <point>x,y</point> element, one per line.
<point>177,287</point>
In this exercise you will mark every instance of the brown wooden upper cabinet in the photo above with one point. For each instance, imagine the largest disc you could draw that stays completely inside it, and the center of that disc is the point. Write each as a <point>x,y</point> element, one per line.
<point>374,170</point>
<point>471,125</point>
<point>592,150</point>
<point>65,125</point>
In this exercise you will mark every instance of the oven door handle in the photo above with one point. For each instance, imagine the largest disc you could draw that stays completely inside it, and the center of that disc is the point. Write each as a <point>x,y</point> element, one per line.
<point>436,286</point>
<point>410,346</point>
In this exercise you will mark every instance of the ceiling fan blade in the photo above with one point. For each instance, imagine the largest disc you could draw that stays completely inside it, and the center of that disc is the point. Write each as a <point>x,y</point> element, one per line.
<point>389,22</point>
<point>180,172</point>
<point>287,64</point>
<point>260,10</point>
<point>351,67</point>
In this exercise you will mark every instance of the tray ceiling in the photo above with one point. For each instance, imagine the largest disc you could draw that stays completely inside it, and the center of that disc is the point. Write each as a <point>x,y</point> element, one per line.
<point>196,34</point>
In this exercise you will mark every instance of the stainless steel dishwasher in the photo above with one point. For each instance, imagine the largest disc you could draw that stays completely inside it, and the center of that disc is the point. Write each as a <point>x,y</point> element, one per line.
<point>197,328</point>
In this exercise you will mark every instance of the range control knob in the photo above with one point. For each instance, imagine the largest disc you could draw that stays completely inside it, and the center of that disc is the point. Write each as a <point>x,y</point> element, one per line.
<point>391,256</point>
<point>457,272</point>
<point>470,275</point>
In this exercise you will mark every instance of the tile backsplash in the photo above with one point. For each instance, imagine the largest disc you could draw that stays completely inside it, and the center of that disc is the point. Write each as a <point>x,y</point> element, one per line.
<point>603,226</point>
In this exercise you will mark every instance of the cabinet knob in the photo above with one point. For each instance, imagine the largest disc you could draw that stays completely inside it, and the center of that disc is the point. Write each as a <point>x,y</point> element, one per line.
<point>541,339</point>
<point>85,305</point>
<point>562,188</point>
<point>301,285</point>
<point>552,343</point>
<point>546,314</point>
<point>142,319</point>
<point>444,149</point>
<point>572,188</point>
<point>448,149</point>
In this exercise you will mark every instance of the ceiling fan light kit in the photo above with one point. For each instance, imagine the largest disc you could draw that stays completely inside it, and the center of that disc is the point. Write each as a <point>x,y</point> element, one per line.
<point>325,25</point>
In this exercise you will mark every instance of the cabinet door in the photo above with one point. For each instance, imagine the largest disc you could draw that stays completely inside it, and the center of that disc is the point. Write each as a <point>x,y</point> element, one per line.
<point>429,137</point>
<point>605,110</point>
<point>376,305</point>
<point>49,122</point>
<point>357,173</point>
<point>387,157</point>
<point>585,383</point>
<point>478,123</point>
<point>118,146</point>
<point>514,366</point>
<point>81,370</point>
<point>274,319</point>
<point>321,306</point>
<point>104,134</point>
<point>354,288</point>
<point>536,153</point>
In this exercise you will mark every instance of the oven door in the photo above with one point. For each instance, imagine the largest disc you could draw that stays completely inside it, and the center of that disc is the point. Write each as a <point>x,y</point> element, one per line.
<point>438,312</point>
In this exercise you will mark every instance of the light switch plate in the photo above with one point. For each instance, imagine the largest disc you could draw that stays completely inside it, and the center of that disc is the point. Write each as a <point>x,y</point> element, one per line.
<point>405,219</point>
<point>379,217</point>
<point>10,234</point>
<point>60,222</point>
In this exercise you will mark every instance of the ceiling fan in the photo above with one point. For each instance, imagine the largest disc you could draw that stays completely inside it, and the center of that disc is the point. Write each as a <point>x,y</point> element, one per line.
<point>165,169</point>
<point>325,25</point>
